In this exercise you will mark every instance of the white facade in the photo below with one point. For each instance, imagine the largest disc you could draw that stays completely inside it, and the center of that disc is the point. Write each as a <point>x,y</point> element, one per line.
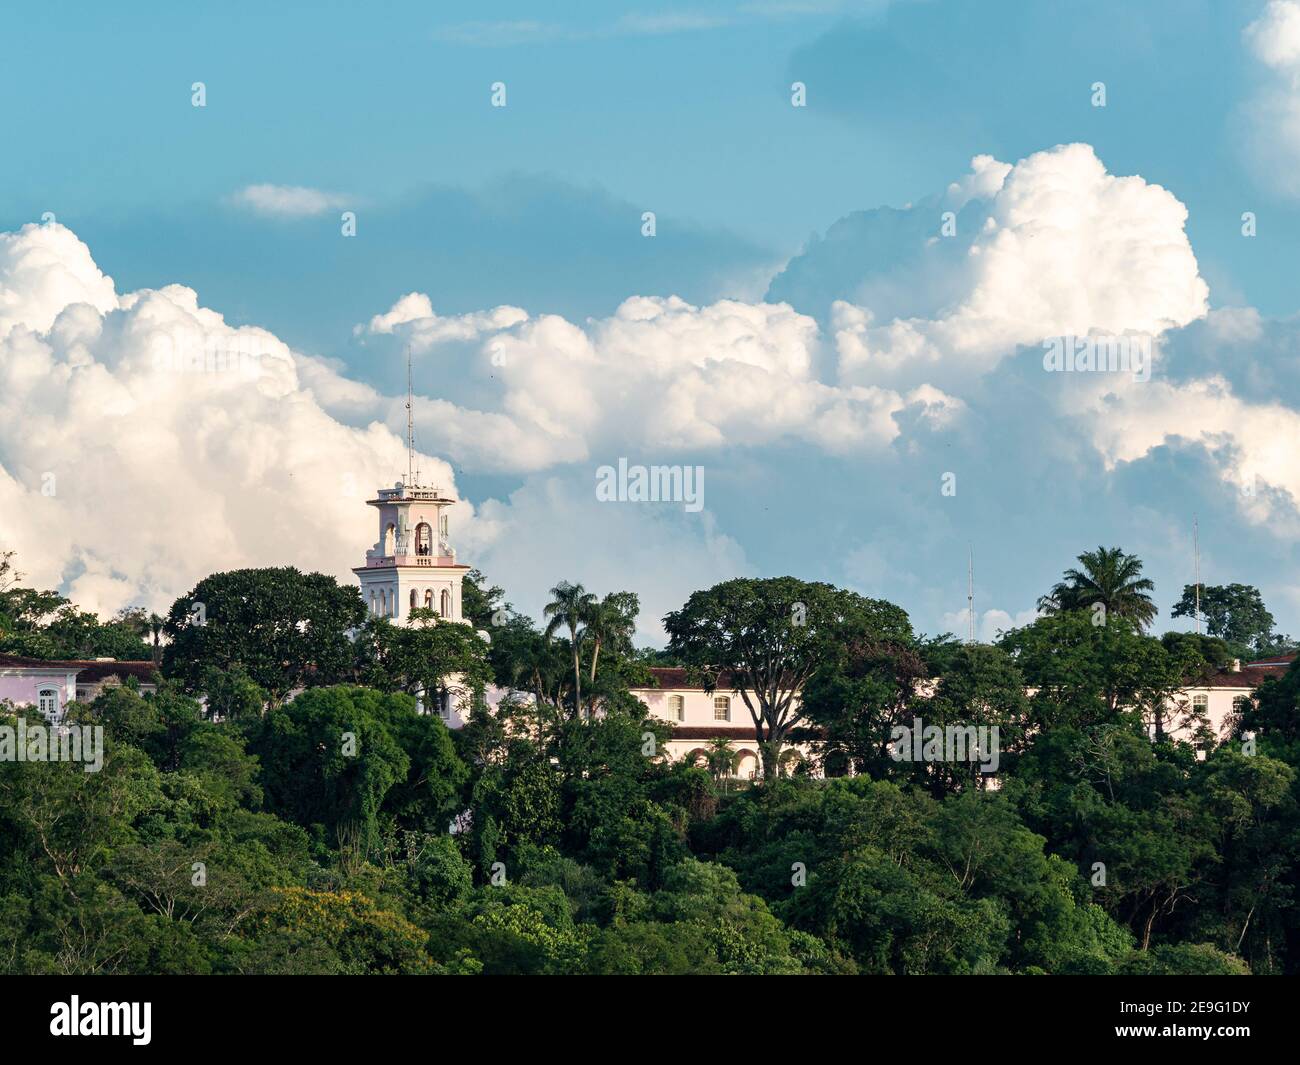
<point>699,717</point>
<point>1217,696</point>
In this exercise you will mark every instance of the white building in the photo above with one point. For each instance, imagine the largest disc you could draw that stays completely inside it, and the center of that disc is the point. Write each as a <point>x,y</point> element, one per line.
<point>1216,696</point>
<point>412,564</point>
<point>698,717</point>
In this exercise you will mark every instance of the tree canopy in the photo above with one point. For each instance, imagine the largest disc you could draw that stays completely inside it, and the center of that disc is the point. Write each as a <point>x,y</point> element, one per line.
<point>1235,613</point>
<point>1109,580</point>
<point>308,818</point>
<point>767,638</point>
<point>284,629</point>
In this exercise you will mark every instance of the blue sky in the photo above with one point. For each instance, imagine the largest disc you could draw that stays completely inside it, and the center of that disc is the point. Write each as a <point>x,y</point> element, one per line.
<point>615,109</point>
<point>610,101</point>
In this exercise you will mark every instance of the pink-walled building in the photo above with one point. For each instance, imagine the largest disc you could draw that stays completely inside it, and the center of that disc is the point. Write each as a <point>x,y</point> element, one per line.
<point>51,685</point>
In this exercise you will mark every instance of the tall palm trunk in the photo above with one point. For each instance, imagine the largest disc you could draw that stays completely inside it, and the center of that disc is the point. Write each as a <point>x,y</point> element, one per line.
<point>577,670</point>
<point>595,654</point>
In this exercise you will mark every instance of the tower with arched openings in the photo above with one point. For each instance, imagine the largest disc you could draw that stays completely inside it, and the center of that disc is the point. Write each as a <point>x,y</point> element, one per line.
<point>412,563</point>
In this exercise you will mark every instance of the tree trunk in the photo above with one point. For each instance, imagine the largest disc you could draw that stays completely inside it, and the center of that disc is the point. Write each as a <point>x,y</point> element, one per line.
<point>577,673</point>
<point>770,751</point>
<point>595,654</point>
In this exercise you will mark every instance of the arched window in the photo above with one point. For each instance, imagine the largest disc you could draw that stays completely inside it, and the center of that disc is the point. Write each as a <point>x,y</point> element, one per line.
<point>374,604</point>
<point>390,538</point>
<point>792,761</point>
<point>721,708</point>
<point>413,600</point>
<point>423,539</point>
<point>445,611</point>
<point>746,765</point>
<point>428,599</point>
<point>383,601</point>
<point>677,707</point>
<point>47,701</point>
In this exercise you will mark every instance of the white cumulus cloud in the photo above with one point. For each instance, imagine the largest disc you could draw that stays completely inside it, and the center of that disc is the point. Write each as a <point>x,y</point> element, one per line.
<point>145,443</point>
<point>1060,246</point>
<point>1273,112</point>
<point>659,374</point>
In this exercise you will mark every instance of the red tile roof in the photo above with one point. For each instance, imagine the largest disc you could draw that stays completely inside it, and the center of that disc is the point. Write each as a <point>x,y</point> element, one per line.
<point>675,677</point>
<point>87,670</point>
<point>1251,675</point>
<point>1229,679</point>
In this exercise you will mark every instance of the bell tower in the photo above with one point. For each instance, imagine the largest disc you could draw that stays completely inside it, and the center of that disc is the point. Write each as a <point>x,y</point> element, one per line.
<point>412,563</point>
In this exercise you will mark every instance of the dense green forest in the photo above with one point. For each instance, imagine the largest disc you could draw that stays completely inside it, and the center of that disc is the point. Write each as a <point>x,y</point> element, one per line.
<point>279,806</point>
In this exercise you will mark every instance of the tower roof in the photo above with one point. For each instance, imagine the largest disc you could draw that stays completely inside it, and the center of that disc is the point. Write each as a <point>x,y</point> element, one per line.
<point>411,493</point>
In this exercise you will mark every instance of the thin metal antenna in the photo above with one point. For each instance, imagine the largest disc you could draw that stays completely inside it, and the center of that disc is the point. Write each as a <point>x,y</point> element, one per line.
<point>1196,547</point>
<point>970,592</point>
<point>410,425</point>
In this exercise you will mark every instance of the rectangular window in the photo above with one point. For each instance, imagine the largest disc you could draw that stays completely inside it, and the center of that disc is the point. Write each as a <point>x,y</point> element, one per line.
<point>48,704</point>
<point>721,708</point>
<point>1200,702</point>
<point>677,707</point>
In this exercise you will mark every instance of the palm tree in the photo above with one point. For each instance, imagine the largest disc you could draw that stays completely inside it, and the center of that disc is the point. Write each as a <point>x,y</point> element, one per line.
<point>1109,577</point>
<point>534,668</point>
<point>610,623</point>
<point>570,608</point>
<point>155,630</point>
<point>722,758</point>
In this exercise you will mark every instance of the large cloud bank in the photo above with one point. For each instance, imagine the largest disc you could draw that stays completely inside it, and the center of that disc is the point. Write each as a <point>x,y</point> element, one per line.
<point>144,442</point>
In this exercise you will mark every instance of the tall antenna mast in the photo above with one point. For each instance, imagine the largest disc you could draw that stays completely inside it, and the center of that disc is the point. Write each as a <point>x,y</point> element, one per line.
<point>410,424</point>
<point>970,592</point>
<point>1196,547</point>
